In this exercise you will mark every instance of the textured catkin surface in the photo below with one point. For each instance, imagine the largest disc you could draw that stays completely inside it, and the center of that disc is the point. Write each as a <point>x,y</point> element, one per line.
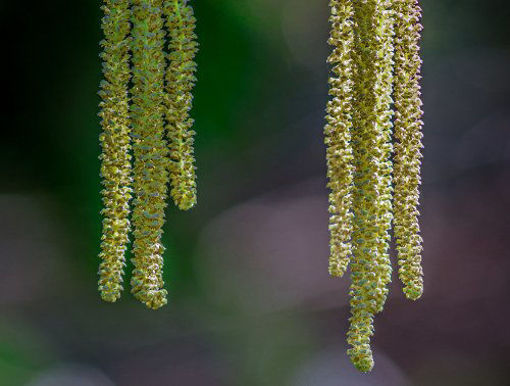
<point>383,46</point>
<point>376,70</point>
<point>365,141</point>
<point>180,80</point>
<point>115,145</point>
<point>150,151</point>
<point>338,136</point>
<point>408,136</point>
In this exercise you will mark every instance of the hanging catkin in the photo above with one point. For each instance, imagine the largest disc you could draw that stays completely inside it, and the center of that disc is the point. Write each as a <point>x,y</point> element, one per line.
<point>366,151</point>
<point>373,173</point>
<point>383,46</point>
<point>338,136</point>
<point>408,135</point>
<point>115,144</point>
<point>180,79</point>
<point>150,152</point>
<point>136,158</point>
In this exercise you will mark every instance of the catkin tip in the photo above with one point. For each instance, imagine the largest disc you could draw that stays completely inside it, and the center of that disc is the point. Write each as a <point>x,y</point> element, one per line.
<point>362,359</point>
<point>109,295</point>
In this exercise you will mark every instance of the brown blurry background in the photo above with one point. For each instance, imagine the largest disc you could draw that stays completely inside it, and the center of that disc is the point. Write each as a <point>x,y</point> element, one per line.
<point>251,303</point>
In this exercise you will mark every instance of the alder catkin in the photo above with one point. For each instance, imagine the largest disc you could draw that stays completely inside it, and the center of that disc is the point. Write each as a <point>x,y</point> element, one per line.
<point>383,62</point>
<point>408,136</point>
<point>115,144</point>
<point>366,150</point>
<point>150,152</point>
<point>180,80</point>
<point>338,136</point>
<point>373,162</point>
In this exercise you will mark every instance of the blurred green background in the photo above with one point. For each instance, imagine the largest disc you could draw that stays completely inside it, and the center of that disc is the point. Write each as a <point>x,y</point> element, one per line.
<point>250,300</point>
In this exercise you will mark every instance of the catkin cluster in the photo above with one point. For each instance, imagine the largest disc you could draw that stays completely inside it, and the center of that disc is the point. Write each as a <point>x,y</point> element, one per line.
<point>373,139</point>
<point>147,136</point>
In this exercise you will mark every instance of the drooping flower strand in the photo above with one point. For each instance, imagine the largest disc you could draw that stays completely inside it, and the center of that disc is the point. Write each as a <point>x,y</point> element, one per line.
<point>385,71</point>
<point>383,46</point>
<point>180,79</point>
<point>365,142</point>
<point>115,144</point>
<point>408,135</point>
<point>150,152</point>
<point>338,136</point>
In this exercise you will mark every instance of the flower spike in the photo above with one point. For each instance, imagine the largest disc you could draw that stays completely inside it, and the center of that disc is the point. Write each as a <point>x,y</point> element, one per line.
<point>150,151</point>
<point>138,157</point>
<point>338,136</point>
<point>180,79</point>
<point>383,46</point>
<point>373,172</point>
<point>115,144</point>
<point>408,126</point>
<point>366,150</point>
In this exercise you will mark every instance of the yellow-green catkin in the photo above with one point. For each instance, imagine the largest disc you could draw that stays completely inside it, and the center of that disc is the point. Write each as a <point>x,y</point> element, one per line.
<point>366,151</point>
<point>408,137</point>
<point>150,152</point>
<point>115,144</point>
<point>180,79</point>
<point>338,136</point>
<point>383,45</point>
<point>373,173</point>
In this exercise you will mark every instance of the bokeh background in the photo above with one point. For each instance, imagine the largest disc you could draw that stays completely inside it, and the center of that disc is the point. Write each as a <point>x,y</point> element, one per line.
<point>250,300</point>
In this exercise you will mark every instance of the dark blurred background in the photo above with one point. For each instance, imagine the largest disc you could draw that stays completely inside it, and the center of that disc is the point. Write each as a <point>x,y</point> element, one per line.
<point>250,302</point>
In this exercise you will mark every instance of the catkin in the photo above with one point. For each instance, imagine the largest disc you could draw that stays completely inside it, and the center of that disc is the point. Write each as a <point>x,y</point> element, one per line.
<point>115,145</point>
<point>408,136</point>
<point>366,149</point>
<point>150,151</point>
<point>373,162</point>
<point>383,61</point>
<point>147,137</point>
<point>338,136</point>
<point>180,79</point>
